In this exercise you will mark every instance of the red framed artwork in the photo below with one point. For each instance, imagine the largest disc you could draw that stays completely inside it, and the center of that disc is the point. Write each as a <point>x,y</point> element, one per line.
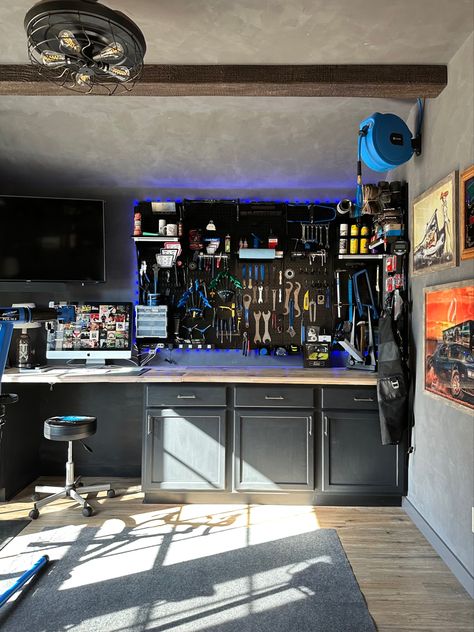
<point>466,213</point>
<point>448,342</point>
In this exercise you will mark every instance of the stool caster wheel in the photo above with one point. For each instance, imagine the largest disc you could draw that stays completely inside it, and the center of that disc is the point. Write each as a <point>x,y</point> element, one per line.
<point>87,511</point>
<point>80,484</point>
<point>35,496</point>
<point>111,493</point>
<point>34,514</point>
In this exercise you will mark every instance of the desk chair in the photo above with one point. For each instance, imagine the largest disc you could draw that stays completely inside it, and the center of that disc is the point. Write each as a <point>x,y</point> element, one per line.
<point>69,428</point>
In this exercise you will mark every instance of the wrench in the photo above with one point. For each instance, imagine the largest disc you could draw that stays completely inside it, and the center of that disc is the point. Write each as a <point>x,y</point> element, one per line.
<point>260,294</point>
<point>246,300</point>
<point>274,315</point>
<point>288,291</point>
<point>254,292</point>
<point>266,336</point>
<point>291,330</point>
<point>296,294</point>
<point>257,337</point>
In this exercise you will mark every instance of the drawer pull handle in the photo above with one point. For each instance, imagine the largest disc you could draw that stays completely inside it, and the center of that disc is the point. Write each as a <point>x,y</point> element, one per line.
<point>325,426</point>
<point>364,399</point>
<point>310,426</point>
<point>186,396</point>
<point>149,425</point>
<point>276,397</point>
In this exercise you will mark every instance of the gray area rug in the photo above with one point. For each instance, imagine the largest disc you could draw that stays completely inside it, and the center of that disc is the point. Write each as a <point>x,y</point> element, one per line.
<point>154,577</point>
<point>9,529</point>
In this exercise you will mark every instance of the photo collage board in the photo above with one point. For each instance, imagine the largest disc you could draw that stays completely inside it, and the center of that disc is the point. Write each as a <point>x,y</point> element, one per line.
<point>97,326</point>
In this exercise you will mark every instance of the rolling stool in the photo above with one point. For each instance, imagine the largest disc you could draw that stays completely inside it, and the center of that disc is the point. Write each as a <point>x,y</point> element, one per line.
<point>70,428</point>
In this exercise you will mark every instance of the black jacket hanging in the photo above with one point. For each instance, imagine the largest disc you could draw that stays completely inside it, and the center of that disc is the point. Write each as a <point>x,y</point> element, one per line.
<point>392,390</point>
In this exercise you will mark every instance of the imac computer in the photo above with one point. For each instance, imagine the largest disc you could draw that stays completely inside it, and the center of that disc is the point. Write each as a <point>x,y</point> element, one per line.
<point>101,332</point>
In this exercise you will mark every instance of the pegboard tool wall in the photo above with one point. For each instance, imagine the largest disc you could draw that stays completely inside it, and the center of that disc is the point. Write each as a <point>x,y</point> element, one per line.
<point>305,275</point>
<point>267,283</point>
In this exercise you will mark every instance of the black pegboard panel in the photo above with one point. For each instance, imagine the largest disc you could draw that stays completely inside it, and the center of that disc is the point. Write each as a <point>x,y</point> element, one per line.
<point>310,273</point>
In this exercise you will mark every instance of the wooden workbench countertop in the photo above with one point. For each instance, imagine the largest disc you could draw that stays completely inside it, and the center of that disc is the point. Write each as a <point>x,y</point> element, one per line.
<point>219,375</point>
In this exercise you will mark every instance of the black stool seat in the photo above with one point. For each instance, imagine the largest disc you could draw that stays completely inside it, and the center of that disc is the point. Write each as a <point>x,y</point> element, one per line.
<point>69,427</point>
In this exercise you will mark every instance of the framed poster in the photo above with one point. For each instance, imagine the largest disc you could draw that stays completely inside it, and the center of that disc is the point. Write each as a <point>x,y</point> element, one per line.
<point>466,213</point>
<point>433,227</point>
<point>448,342</point>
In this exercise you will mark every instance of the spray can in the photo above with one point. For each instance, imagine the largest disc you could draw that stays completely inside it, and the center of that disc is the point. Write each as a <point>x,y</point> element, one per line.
<point>343,246</point>
<point>354,246</point>
<point>364,246</point>
<point>137,224</point>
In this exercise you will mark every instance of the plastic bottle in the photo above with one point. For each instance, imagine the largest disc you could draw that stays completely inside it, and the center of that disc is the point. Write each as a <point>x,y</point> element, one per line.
<point>227,243</point>
<point>272,240</point>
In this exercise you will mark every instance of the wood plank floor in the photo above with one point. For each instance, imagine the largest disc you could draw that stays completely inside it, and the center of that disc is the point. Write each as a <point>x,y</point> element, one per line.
<point>407,586</point>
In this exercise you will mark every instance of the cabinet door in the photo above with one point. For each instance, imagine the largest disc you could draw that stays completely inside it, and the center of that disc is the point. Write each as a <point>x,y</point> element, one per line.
<point>184,449</point>
<point>354,459</point>
<point>274,450</point>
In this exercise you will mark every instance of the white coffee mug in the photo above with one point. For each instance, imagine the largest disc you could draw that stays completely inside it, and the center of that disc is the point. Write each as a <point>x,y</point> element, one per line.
<point>162,226</point>
<point>171,230</point>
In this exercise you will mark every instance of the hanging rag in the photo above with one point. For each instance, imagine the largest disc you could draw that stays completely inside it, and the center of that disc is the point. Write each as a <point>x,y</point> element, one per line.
<point>392,388</point>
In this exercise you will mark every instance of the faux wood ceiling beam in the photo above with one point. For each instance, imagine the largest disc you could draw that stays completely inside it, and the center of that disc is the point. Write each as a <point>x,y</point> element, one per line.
<point>391,81</point>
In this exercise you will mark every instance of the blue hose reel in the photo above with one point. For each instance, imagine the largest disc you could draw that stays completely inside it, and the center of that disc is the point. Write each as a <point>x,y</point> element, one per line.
<point>386,142</point>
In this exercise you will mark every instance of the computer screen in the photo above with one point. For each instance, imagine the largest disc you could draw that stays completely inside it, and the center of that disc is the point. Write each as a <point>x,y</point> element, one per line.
<point>101,331</point>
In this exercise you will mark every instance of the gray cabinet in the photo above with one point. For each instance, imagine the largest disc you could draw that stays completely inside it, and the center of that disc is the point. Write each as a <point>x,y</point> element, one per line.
<point>354,459</point>
<point>184,449</point>
<point>274,450</point>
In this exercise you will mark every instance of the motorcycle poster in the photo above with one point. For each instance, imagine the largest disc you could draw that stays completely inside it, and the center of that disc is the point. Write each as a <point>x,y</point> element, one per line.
<point>433,227</point>
<point>449,342</point>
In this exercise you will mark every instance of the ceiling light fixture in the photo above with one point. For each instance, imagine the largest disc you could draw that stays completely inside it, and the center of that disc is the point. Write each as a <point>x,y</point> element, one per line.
<point>84,46</point>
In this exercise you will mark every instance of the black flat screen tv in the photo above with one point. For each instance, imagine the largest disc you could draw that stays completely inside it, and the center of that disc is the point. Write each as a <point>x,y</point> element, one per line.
<point>51,239</point>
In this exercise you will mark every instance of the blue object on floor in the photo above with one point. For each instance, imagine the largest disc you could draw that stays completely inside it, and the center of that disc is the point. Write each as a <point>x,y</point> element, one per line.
<point>21,581</point>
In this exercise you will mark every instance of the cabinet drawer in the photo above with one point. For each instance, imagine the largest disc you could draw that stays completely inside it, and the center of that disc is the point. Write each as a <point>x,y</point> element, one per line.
<point>274,395</point>
<point>352,398</point>
<point>186,395</point>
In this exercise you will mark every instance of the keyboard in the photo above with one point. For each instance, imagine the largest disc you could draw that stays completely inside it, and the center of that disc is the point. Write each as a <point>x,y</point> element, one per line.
<point>82,370</point>
<point>118,370</point>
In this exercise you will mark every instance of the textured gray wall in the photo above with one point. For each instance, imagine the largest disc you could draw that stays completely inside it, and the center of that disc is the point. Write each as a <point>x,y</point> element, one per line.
<point>441,472</point>
<point>159,147</point>
<point>279,31</point>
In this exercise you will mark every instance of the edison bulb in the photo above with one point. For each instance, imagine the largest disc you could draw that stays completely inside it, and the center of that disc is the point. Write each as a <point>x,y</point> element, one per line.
<point>111,52</point>
<point>84,77</point>
<point>69,42</point>
<point>51,58</point>
<point>121,72</point>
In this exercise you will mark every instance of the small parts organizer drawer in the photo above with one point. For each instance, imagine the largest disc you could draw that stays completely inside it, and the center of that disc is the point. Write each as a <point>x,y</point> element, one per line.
<point>344,398</point>
<point>274,395</point>
<point>151,321</point>
<point>185,395</point>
